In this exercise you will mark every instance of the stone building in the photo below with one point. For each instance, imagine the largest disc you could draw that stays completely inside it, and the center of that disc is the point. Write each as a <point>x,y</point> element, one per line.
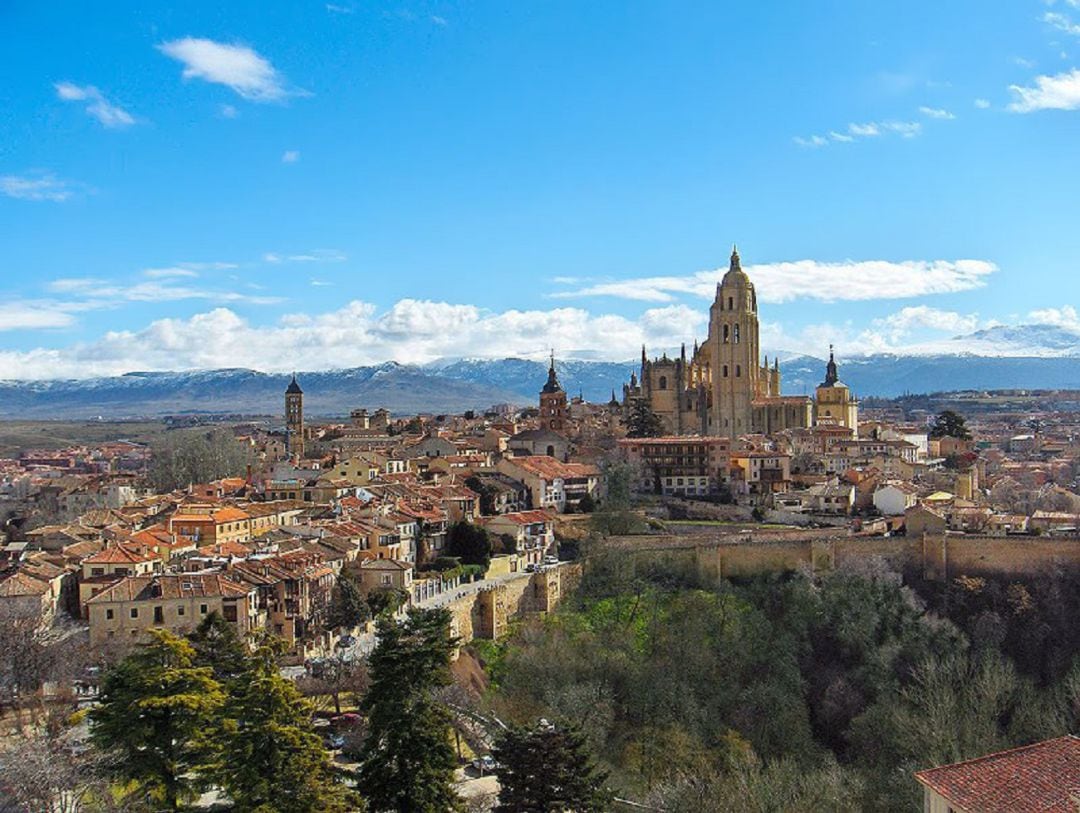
<point>723,389</point>
<point>553,409</point>
<point>834,405</point>
<point>294,419</point>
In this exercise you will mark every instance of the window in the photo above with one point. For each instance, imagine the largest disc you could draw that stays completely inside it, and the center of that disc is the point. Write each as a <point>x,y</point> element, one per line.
<point>97,571</point>
<point>663,382</point>
<point>738,371</point>
<point>731,303</point>
<point>159,615</point>
<point>727,332</point>
<point>109,615</point>
<point>202,609</point>
<point>134,612</point>
<point>179,610</point>
<point>735,333</point>
<point>725,371</point>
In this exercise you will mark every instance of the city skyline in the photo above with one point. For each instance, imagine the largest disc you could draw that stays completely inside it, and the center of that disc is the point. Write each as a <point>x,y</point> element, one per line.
<point>329,185</point>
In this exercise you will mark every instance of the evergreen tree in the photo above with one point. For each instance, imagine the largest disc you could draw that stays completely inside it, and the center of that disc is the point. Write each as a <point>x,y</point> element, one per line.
<point>347,605</point>
<point>155,706</point>
<point>267,757</point>
<point>217,645</point>
<point>642,422</point>
<point>407,761</point>
<point>470,543</point>
<point>548,770</point>
<point>950,424</point>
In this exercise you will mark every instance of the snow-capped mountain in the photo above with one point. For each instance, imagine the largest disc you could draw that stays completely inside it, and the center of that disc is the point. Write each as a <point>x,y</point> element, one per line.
<point>1026,357</point>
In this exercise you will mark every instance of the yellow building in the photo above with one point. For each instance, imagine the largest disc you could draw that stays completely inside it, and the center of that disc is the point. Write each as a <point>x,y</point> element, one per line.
<point>834,404</point>
<point>723,389</point>
<point>173,601</point>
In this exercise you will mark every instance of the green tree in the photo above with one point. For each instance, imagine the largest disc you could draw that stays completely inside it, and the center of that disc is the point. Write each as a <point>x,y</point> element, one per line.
<point>155,709</point>
<point>407,761</point>
<point>266,756</point>
<point>548,770</point>
<point>469,543</point>
<point>217,645</point>
<point>348,608</point>
<point>950,424</point>
<point>642,422</point>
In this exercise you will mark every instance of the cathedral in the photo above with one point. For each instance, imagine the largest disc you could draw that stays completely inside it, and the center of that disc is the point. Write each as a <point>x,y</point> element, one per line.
<point>724,388</point>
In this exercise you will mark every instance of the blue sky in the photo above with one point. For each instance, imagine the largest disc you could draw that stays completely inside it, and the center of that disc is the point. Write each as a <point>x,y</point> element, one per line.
<point>303,184</point>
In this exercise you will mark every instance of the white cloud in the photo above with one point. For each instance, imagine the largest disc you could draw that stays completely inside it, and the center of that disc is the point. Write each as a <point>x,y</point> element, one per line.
<point>870,129</point>
<point>290,156</point>
<point>169,273</point>
<point>936,113</point>
<point>103,293</point>
<point>108,114</point>
<point>235,66</point>
<point>319,255</point>
<point>228,111</point>
<point>34,315</point>
<point>867,130</point>
<point>1023,63</point>
<point>35,187</point>
<point>1059,92</point>
<point>982,104</point>
<point>899,325</point>
<point>442,22</point>
<point>320,283</point>
<point>810,279</point>
<point>1064,317</point>
<point>1062,22</point>
<point>334,8</point>
<point>412,331</point>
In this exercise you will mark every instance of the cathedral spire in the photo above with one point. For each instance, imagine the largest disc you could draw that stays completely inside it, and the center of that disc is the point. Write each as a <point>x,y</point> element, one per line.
<point>736,264</point>
<point>831,373</point>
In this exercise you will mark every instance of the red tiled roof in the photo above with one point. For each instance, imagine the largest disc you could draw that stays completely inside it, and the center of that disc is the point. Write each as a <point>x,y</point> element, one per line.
<point>117,555</point>
<point>1039,777</point>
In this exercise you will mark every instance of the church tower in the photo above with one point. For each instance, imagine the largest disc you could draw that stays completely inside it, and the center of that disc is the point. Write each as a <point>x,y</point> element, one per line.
<point>294,419</point>
<point>834,404</point>
<point>553,411</point>
<point>734,362</point>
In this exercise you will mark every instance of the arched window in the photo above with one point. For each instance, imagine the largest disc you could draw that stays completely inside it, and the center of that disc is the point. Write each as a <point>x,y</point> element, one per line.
<point>663,382</point>
<point>735,332</point>
<point>738,371</point>
<point>551,451</point>
<point>727,332</point>
<point>731,303</point>
<point>725,371</point>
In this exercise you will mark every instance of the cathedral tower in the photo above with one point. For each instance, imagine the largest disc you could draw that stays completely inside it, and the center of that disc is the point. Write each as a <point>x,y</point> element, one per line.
<point>733,351</point>
<point>553,409</point>
<point>294,419</point>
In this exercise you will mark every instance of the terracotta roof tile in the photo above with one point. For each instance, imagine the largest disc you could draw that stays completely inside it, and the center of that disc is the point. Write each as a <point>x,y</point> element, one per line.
<point>1039,777</point>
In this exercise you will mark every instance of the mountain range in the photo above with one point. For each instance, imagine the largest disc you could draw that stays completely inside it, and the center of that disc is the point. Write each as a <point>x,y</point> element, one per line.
<point>1025,357</point>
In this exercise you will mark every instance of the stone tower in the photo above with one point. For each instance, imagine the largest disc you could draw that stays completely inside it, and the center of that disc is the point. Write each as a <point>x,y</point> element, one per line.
<point>733,340</point>
<point>294,419</point>
<point>834,404</point>
<point>553,409</point>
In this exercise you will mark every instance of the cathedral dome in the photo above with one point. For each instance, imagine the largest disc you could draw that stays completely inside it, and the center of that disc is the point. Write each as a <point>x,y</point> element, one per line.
<point>735,274</point>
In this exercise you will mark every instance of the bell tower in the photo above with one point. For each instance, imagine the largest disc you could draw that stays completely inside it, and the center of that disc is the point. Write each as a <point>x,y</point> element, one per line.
<point>294,419</point>
<point>553,411</point>
<point>733,339</point>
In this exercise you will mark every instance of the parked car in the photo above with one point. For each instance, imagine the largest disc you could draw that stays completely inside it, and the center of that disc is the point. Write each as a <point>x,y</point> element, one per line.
<point>485,764</point>
<point>530,568</point>
<point>346,720</point>
<point>551,560</point>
